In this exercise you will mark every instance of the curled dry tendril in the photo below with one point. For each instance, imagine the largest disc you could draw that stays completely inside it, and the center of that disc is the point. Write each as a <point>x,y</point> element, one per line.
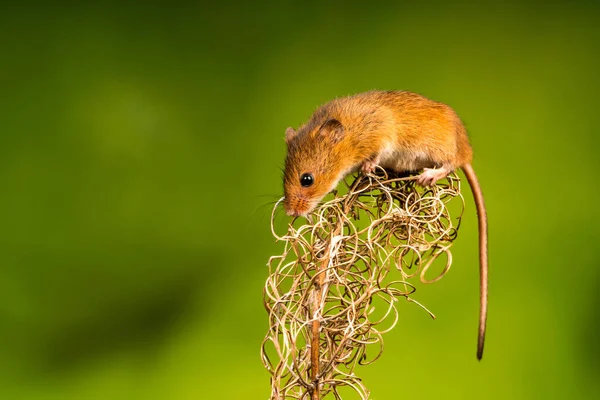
<point>333,291</point>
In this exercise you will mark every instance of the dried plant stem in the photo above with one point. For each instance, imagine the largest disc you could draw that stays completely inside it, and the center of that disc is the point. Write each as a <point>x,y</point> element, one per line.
<point>316,329</point>
<point>319,288</point>
<point>341,275</point>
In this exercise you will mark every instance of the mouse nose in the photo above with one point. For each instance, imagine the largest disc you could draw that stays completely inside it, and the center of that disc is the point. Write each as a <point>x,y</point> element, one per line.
<point>292,212</point>
<point>290,208</point>
<point>296,207</point>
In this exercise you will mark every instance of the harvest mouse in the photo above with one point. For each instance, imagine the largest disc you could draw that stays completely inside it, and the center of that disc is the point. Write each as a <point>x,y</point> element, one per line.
<point>397,130</point>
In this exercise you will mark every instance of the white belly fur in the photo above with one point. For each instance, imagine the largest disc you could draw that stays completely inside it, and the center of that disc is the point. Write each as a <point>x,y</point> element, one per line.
<point>404,160</point>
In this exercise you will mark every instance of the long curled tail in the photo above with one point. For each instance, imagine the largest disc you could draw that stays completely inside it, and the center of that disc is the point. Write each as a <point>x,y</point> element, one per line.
<point>483,254</point>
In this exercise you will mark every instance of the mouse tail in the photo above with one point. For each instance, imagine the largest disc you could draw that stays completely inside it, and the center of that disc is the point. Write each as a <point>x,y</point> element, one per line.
<point>483,254</point>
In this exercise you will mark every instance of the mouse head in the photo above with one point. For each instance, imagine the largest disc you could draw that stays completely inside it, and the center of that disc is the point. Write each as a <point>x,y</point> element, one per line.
<point>313,165</point>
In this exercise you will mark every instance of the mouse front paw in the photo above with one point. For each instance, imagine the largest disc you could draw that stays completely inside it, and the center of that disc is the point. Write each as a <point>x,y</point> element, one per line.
<point>368,166</point>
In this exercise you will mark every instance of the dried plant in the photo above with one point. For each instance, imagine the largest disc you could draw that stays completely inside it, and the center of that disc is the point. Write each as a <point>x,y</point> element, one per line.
<point>333,293</point>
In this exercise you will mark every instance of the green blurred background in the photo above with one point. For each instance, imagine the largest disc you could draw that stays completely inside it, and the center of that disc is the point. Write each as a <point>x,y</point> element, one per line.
<point>140,148</point>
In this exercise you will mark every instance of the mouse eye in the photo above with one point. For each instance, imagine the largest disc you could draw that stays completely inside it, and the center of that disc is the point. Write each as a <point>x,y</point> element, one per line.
<point>307,180</point>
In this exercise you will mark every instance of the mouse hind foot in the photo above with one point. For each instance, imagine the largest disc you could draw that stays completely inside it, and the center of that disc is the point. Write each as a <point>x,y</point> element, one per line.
<point>430,176</point>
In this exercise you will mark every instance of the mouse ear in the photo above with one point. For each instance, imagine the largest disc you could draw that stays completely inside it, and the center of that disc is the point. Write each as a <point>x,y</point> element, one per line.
<point>332,129</point>
<point>290,133</point>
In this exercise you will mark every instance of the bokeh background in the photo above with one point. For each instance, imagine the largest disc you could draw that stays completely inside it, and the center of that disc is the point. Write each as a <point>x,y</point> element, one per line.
<point>140,147</point>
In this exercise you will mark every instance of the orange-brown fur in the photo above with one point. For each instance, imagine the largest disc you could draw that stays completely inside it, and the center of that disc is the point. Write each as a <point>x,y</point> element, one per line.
<point>422,133</point>
<point>398,130</point>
